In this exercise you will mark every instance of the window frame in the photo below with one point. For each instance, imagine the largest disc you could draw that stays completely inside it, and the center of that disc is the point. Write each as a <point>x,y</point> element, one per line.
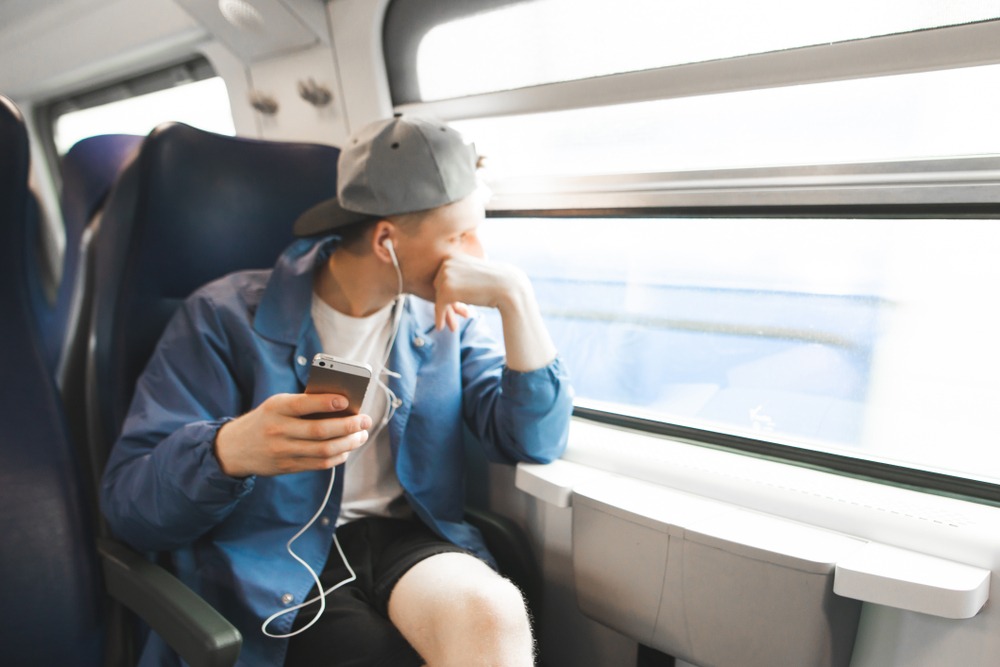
<point>192,68</point>
<point>962,187</point>
<point>926,481</point>
<point>405,25</point>
<point>965,45</point>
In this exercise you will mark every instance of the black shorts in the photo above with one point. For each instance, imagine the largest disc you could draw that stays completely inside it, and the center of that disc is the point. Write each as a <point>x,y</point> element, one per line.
<point>355,630</point>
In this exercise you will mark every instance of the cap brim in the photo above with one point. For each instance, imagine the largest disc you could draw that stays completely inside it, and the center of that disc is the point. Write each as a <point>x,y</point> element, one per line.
<point>325,217</point>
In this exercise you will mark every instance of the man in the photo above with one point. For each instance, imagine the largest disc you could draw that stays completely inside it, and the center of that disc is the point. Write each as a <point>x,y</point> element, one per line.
<point>223,462</point>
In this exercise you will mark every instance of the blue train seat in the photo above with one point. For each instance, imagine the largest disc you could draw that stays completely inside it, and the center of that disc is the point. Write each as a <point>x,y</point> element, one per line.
<point>48,566</point>
<point>55,574</point>
<point>191,207</point>
<point>88,170</point>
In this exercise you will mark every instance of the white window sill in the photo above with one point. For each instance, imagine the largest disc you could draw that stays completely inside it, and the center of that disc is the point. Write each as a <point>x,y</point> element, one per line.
<point>639,475</point>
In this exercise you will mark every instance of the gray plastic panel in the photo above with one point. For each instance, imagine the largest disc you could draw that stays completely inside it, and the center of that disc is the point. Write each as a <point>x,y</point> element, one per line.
<point>711,583</point>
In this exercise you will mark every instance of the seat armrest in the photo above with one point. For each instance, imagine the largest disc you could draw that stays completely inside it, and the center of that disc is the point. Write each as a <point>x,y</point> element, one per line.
<point>188,624</point>
<point>510,546</point>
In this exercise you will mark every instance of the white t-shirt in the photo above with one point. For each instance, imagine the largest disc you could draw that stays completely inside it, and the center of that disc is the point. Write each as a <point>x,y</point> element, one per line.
<point>371,487</point>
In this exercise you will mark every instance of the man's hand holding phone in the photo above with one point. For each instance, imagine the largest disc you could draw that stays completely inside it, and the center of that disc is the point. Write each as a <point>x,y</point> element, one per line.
<point>290,433</point>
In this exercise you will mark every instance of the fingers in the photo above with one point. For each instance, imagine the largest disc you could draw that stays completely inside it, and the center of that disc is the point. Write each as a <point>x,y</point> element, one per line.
<point>302,405</point>
<point>446,284</point>
<point>444,315</point>
<point>328,428</point>
<point>326,438</point>
<point>275,438</point>
<point>325,454</point>
<point>320,444</point>
<point>448,315</point>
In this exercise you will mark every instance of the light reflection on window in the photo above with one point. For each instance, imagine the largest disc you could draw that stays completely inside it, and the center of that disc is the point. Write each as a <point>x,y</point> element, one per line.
<point>870,338</point>
<point>544,41</point>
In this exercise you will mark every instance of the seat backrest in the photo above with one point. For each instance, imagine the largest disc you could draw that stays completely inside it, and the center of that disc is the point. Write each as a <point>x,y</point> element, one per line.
<point>48,565</point>
<point>89,169</point>
<point>192,207</point>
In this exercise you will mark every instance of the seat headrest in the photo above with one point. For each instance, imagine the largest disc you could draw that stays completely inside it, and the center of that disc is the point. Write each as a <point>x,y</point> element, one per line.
<point>88,170</point>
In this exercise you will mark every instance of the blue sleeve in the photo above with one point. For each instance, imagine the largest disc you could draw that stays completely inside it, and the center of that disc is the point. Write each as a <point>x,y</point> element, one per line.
<point>516,416</point>
<point>163,487</point>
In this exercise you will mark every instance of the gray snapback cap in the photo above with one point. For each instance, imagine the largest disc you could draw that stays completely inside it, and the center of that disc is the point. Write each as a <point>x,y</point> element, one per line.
<point>400,165</point>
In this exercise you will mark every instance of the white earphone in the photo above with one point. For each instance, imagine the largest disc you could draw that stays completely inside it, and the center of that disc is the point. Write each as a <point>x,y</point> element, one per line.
<point>387,244</point>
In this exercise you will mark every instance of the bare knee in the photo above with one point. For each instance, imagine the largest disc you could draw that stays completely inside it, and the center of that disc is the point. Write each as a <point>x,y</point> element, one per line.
<point>497,609</point>
<point>486,625</point>
<point>457,612</point>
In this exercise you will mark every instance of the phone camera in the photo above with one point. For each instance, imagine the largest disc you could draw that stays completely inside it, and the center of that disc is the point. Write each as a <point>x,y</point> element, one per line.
<point>323,364</point>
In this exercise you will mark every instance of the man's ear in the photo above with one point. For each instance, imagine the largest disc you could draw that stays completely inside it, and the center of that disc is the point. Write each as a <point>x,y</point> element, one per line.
<point>382,236</point>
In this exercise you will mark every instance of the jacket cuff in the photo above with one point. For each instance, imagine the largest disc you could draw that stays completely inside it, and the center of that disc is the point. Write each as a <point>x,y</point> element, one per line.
<point>546,381</point>
<point>200,476</point>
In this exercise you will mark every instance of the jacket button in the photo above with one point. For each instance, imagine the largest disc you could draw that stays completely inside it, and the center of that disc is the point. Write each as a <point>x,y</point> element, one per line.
<point>302,361</point>
<point>287,598</point>
<point>418,342</point>
<point>325,521</point>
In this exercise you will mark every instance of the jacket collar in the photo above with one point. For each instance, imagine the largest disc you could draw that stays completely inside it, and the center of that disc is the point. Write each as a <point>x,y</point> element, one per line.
<point>285,316</point>
<point>284,312</point>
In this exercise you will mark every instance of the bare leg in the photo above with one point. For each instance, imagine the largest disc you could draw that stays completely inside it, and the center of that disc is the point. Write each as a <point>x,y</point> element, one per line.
<point>457,612</point>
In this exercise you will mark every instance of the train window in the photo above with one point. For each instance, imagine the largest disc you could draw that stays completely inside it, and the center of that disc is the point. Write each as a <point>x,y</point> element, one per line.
<point>476,47</point>
<point>752,225</point>
<point>190,93</point>
<point>865,338</point>
<point>856,120</point>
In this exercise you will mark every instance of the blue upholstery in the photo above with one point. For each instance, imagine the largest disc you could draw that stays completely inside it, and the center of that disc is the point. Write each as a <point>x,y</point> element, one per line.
<point>57,611</point>
<point>41,278</point>
<point>52,591</point>
<point>193,206</point>
<point>89,170</point>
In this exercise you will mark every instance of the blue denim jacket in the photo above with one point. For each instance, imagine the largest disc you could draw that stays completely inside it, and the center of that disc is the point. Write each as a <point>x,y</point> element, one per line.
<point>248,336</point>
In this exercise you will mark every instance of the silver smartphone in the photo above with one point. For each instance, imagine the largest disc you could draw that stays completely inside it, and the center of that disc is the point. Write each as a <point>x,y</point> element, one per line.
<point>333,375</point>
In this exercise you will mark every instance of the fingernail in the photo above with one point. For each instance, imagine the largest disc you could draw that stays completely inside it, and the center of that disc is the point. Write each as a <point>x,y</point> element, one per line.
<point>339,403</point>
<point>362,437</point>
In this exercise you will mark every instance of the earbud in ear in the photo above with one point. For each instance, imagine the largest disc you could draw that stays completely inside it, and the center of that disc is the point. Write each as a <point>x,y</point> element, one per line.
<point>387,244</point>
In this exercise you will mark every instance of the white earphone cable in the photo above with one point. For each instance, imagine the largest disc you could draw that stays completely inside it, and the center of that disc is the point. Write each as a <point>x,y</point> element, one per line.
<point>392,403</point>
<point>319,586</point>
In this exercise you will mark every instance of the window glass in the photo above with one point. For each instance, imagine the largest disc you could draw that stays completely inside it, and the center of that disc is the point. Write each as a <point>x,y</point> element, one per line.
<point>203,104</point>
<point>873,339</point>
<point>544,41</point>
<point>931,114</point>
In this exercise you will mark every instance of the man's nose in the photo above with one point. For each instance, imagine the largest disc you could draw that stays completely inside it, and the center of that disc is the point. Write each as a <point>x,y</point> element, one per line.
<point>473,246</point>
